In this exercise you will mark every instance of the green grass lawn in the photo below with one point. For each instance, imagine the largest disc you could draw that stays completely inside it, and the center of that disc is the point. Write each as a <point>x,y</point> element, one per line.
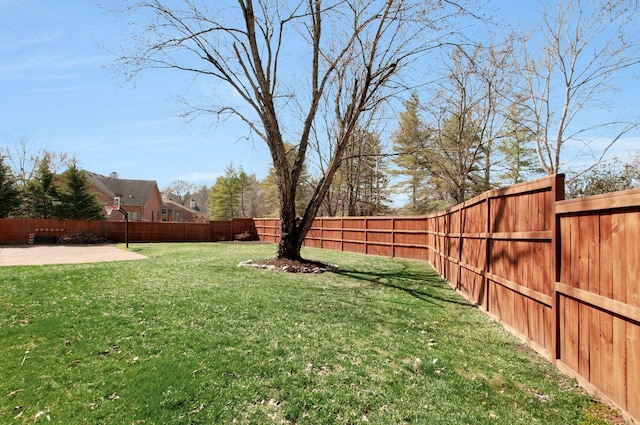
<point>187,336</point>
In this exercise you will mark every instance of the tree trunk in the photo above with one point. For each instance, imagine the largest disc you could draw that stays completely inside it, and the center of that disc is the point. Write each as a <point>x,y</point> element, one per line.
<point>293,229</point>
<point>290,243</point>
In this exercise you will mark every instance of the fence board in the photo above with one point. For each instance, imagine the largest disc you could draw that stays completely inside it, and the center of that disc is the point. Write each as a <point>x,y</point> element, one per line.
<point>619,325</point>
<point>605,279</point>
<point>582,276</point>
<point>592,236</point>
<point>633,369</point>
<point>632,224</point>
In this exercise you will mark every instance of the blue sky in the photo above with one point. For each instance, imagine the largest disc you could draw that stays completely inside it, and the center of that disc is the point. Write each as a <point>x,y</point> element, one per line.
<point>60,92</point>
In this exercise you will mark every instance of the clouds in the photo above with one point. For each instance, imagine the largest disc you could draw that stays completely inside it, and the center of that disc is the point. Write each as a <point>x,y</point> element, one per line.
<point>52,41</point>
<point>48,61</point>
<point>200,177</point>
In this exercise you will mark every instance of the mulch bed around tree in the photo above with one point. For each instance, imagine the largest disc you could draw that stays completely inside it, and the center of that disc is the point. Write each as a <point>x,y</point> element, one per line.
<point>290,266</point>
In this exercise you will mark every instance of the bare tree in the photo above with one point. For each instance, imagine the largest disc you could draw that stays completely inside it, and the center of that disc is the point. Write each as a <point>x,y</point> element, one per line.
<point>468,118</point>
<point>573,63</point>
<point>283,60</point>
<point>201,196</point>
<point>360,185</point>
<point>179,191</point>
<point>24,159</point>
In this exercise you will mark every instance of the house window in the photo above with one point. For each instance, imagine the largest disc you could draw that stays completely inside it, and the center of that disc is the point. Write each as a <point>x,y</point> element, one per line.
<point>134,215</point>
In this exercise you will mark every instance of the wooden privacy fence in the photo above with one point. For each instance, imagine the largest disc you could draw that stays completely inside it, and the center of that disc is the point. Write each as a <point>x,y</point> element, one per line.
<point>598,294</point>
<point>22,231</point>
<point>562,275</point>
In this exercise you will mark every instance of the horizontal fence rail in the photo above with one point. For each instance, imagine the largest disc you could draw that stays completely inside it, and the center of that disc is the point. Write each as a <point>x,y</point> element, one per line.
<point>562,275</point>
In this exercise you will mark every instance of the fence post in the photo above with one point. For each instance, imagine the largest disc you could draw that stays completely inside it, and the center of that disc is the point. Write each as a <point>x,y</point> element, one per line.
<point>487,252</point>
<point>366,235</point>
<point>558,195</point>
<point>393,237</point>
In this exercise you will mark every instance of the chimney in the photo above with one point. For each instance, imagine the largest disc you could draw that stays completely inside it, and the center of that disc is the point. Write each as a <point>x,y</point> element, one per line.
<point>113,175</point>
<point>192,204</point>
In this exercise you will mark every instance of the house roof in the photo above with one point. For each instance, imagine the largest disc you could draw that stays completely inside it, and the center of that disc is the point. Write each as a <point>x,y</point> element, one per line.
<point>167,202</point>
<point>131,192</point>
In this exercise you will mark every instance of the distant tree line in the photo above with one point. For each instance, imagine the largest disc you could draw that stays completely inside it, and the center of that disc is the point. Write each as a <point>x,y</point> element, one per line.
<point>420,167</point>
<point>361,187</point>
<point>500,110</point>
<point>41,193</point>
<point>419,162</point>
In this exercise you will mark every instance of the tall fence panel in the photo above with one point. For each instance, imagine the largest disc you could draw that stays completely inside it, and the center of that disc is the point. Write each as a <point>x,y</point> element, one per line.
<point>598,294</point>
<point>268,229</point>
<point>521,266</point>
<point>13,232</point>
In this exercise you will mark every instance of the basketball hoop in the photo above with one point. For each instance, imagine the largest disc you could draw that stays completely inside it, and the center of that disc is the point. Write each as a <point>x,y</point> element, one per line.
<point>109,209</point>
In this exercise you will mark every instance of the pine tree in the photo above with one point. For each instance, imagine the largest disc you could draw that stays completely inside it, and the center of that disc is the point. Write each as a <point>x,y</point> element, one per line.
<point>41,192</point>
<point>9,195</point>
<point>235,194</point>
<point>409,141</point>
<point>224,195</point>
<point>75,201</point>
<point>371,180</point>
<point>519,162</point>
<point>244,186</point>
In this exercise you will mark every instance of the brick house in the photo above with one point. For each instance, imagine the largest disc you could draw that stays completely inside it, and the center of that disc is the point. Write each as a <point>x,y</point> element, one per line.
<point>140,198</point>
<point>174,211</point>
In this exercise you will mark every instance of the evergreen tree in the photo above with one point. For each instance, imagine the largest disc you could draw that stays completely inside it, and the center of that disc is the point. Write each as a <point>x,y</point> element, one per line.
<point>75,201</point>
<point>409,142</point>
<point>41,192</point>
<point>244,185</point>
<point>9,195</point>
<point>233,195</point>
<point>368,182</point>
<point>224,195</point>
<point>519,162</point>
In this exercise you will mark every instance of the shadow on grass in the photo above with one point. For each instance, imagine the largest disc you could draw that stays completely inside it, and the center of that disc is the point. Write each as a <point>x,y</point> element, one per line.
<point>423,285</point>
